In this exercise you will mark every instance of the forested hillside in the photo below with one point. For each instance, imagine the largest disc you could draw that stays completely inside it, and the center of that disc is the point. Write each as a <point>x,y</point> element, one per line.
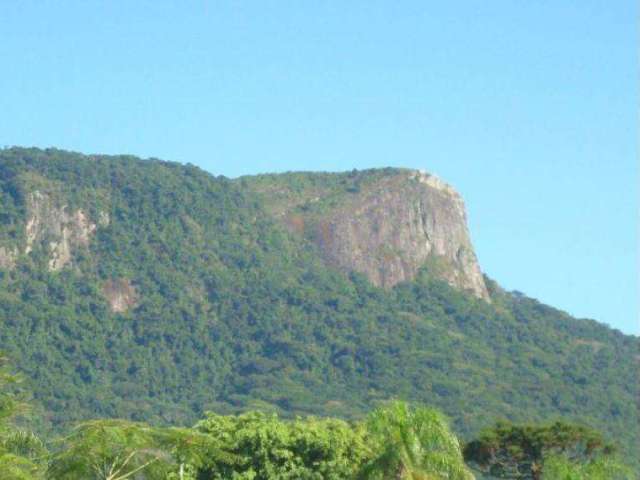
<point>155,291</point>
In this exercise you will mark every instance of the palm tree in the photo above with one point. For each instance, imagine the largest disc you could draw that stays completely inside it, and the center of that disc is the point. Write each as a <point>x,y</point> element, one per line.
<point>120,450</point>
<point>412,444</point>
<point>22,455</point>
<point>109,450</point>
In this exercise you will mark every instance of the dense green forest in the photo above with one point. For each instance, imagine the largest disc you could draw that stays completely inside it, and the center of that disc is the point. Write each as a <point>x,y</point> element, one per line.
<point>227,311</point>
<point>396,441</point>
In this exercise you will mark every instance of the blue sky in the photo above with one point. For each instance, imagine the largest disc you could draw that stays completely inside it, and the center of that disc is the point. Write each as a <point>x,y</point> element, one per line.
<point>530,109</point>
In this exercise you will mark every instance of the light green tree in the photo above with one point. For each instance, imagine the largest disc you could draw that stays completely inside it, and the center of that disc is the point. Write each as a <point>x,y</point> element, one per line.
<point>109,450</point>
<point>561,468</point>
<point>120,450</point>
<point>412,444</point>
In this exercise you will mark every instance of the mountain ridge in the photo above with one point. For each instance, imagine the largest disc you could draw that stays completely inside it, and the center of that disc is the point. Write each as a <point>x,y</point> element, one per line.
<point>191,295</point>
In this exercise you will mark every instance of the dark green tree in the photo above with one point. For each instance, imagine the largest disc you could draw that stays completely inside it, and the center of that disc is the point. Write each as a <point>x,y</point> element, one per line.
<point>268,448</point>
<point>520,451</point>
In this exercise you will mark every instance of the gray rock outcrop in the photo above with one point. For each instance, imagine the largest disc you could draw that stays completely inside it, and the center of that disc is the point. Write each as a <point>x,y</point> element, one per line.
<point>397,226</point>
<point>62,230</point>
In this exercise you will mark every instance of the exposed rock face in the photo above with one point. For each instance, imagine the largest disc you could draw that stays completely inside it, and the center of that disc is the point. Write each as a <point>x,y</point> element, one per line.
<point>394,228</point>
<point>387,226</point>
<point>63,231</point>
<point>8,258</point>
<point>120,294</point>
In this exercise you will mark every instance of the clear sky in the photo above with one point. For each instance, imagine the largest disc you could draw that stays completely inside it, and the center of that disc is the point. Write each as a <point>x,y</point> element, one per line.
<point>530,109</point>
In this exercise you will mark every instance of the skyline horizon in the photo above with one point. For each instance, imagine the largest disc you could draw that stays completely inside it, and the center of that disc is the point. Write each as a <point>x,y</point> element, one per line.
<point>529,111</point>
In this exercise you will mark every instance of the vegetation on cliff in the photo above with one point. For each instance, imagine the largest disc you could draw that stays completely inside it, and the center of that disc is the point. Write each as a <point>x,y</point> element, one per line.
<point>188,296</point>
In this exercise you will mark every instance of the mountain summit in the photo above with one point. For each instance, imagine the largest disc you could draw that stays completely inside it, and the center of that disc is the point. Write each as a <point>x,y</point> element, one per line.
<point>386,224</point>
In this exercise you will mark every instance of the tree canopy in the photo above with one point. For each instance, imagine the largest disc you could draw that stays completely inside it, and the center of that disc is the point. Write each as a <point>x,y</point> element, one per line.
<point>533,451</point>
<point>228,312</point>
<point>396,441</point>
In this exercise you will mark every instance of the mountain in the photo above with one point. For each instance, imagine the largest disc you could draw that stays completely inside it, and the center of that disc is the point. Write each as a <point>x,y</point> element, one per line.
<point>154,291</point>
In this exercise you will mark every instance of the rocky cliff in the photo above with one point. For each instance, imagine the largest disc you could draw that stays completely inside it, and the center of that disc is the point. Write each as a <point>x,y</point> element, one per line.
<point>54,227</point>
<point>386,224</point>
<point>62,230</point>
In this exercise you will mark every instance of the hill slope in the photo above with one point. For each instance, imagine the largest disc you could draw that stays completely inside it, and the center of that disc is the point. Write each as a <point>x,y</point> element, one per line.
<point>152,290</point>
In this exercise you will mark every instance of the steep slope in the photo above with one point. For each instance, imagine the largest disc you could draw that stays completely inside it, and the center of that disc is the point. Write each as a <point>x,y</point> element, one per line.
<point>153,290</point>
<point>385,224</point>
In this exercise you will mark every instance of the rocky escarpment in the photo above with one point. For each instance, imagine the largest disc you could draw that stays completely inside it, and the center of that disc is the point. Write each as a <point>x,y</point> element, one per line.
<point>386,226</point>
<point>61,229</point>
<point>57,228</point>
<point>396,227</point>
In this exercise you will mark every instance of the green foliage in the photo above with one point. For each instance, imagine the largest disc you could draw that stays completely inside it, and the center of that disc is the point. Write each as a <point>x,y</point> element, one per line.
<point>235,313</point>
<point>520,451</point>
<point>396,441</point>
<point>22,454</point>
<point>10,402</point>
<point>311,193</point>
<point>268,448</point>
<point>110,450</point>
<point>561,468</point>
<point>412,444</point>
